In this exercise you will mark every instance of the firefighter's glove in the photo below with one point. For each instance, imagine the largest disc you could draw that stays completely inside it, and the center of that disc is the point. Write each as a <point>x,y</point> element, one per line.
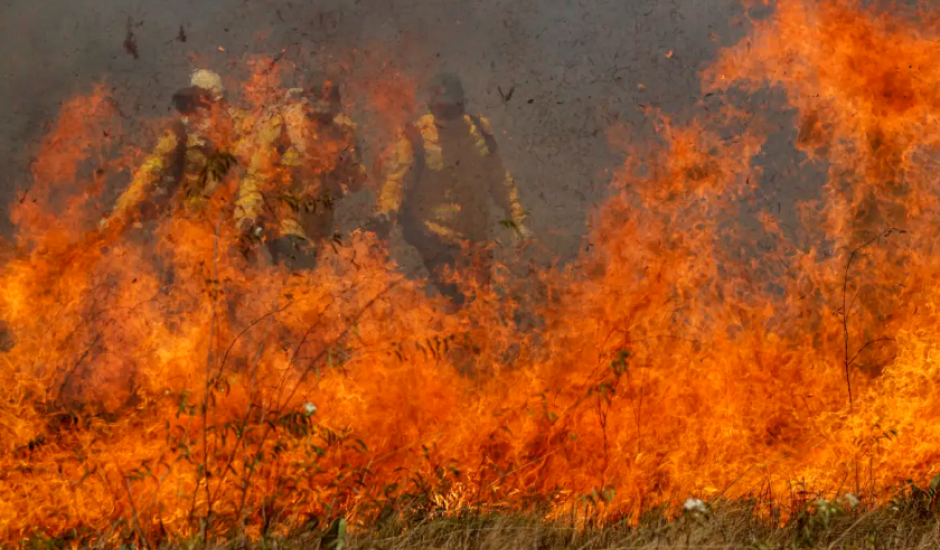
<point>250,235</point>
<point>523,233</point>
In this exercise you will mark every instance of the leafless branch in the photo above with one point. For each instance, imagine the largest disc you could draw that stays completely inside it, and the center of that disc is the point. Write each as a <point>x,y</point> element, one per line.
<point>137,527</point>
<point>847,362</point>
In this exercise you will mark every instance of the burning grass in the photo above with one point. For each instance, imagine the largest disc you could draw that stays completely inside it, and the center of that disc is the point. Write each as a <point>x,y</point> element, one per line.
<point>157,387</point>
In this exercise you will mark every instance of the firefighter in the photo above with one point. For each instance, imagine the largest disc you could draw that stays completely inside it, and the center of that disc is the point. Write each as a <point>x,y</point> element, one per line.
<point>182,167</point>
<point>306,160</point>
<point>182,171</point>
<point>441,172</point>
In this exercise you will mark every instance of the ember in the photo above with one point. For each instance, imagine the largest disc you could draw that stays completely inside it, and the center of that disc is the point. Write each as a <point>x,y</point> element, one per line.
<point>158,383</point>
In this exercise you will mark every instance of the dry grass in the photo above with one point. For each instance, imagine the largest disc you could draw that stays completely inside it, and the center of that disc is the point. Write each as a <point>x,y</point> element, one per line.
<point>731,526</point>
<point>911,520</point>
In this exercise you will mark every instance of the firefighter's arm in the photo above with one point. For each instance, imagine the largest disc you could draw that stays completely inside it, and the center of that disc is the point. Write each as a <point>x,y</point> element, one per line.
<point>357,178</point>
<point>507,194</point>
<point>243,123</point>
<point>512,203</point>
<point>400,162</point>
<point>503,186</point>
<point>249,203</point>
<point>144,179</point>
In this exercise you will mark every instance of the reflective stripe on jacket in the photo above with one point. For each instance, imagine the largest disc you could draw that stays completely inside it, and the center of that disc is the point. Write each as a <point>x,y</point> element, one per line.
<point>404,168</point>
<point>180,161</point>
<point>293,169</point>
<point>146,177</point>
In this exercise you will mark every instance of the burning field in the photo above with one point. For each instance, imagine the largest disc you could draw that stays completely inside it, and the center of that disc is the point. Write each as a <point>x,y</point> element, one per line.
<point>157,385</point>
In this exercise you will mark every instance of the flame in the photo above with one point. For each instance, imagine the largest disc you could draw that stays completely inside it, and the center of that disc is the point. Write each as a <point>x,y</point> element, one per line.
<point>166,389</point>
<point>84,129</point>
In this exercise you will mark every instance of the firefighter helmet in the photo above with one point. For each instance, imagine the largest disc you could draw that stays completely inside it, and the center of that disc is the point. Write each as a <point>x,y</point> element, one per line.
<point>447,89</point>
<point>208,80</point>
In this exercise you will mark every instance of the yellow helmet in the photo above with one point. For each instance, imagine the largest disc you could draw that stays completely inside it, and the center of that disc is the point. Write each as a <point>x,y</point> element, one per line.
<point>294,94</point>
<point>207,80</point>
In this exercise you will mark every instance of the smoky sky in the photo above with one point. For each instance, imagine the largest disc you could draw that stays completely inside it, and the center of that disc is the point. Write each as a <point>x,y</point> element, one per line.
<point>576,68</point>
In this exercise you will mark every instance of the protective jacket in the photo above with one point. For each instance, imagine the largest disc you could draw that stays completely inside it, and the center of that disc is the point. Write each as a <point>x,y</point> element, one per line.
<point>176,171</point>
<point>439,177</point>
<point>299,169</point>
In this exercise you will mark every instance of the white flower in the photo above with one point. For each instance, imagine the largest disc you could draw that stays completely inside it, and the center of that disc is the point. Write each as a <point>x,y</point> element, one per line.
<point>851,499</point>
<point>310,408</point>
<point>694,505</point>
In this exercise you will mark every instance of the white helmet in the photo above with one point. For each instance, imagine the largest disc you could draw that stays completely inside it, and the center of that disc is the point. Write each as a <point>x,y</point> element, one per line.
<point>207,80</point>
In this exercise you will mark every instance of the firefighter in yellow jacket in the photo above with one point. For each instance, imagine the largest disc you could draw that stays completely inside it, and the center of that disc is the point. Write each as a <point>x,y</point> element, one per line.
<point>442,171</point>
<point>185,166</point>
<point>306,159</point>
